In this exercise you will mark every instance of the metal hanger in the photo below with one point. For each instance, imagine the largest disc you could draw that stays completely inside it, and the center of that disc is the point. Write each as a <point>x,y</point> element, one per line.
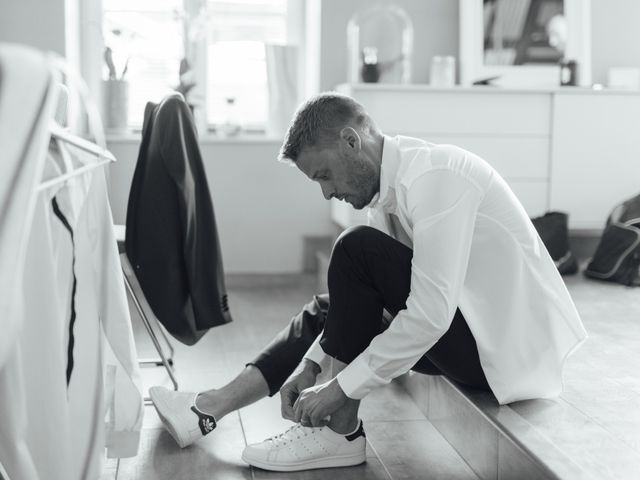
<point>103,155</point>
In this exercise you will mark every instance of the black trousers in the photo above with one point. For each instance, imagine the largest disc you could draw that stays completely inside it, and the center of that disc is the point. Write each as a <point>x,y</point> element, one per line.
<point>369,272</point>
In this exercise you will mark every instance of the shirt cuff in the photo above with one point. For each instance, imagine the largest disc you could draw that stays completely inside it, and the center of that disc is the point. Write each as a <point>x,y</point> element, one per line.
<point>316,353</point>
<point>357,379</point>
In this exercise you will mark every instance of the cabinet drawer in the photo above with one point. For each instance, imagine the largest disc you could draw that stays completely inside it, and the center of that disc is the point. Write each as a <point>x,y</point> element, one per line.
<point>460,112</point>
<point>596,155</point>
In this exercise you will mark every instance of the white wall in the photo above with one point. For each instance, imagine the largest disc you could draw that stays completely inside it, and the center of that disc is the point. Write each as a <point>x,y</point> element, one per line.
<point>263,208</point>
<point>435,24</point>
<point>38,23</point>
<point>615,33</point>
<point>615,36</point>
<point>614,27</point>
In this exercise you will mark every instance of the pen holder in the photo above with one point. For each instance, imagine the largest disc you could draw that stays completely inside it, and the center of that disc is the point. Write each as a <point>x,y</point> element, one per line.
<point>116,104</point>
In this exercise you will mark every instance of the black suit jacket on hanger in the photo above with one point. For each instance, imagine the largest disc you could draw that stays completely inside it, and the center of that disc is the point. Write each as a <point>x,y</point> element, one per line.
<point>171,236</point>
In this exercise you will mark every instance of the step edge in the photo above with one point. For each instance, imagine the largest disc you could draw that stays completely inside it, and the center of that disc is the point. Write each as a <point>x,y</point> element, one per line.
<point>564,470</point>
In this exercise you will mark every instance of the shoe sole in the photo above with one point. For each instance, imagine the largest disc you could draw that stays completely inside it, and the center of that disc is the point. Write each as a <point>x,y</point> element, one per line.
<point>333,462</point>
<point>163,411</point>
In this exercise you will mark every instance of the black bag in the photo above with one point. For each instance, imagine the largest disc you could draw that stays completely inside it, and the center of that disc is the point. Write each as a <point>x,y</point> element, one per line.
<point>617,258</point>
<point>554,232</point>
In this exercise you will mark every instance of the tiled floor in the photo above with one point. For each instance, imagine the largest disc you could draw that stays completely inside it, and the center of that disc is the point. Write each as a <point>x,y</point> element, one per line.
<point>402,444</point>
<point>592,430</point>
<point>601,397</point>
<point>594,425</point>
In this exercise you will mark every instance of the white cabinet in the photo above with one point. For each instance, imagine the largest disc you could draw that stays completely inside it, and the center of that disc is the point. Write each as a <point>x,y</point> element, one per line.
<point>553,147</point>
<point>596,154</point>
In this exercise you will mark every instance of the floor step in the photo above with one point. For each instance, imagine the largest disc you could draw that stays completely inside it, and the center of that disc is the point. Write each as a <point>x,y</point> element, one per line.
<point>489,438</point>
<point>591,431</point>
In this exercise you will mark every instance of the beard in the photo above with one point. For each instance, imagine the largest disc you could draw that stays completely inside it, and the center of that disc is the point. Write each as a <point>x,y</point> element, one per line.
<point>364,183</point>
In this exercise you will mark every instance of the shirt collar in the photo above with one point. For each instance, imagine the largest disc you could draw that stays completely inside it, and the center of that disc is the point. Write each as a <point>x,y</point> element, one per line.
<point>385,198</point>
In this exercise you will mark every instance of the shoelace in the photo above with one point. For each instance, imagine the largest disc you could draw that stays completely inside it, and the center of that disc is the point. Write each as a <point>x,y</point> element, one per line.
<point>295,432</point>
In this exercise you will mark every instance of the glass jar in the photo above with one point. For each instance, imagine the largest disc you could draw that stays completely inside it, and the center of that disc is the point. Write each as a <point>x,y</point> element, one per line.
<point>443,71</point>
<point>380,45</point>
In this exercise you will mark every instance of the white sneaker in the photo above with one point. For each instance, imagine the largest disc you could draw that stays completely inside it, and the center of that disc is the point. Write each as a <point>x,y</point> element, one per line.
<point>305,448</point>
<point>178,411</point>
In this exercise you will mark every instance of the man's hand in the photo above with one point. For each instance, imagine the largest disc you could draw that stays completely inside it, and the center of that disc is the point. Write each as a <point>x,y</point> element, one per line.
<point>303,377</point>
<point>315,404</point>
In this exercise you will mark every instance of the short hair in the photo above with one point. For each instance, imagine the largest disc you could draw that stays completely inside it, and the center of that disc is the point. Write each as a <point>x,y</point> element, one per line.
<point>319,121</point>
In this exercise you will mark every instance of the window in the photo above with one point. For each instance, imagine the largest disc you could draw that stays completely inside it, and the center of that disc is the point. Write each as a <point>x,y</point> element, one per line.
<point>149,35</point>
<point>236,56</point>
<point>223,41</point>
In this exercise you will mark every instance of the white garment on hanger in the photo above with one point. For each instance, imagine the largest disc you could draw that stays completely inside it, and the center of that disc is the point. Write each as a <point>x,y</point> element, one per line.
<point>27,99</point>
<point>49,431</point>
<point>43,348</point>
<point>105,375</point>
<point>98,261</point>
<point>102,403</point>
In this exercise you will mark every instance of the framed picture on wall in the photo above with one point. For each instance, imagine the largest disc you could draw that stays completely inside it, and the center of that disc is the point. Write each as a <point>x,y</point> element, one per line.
<point>521,43</point>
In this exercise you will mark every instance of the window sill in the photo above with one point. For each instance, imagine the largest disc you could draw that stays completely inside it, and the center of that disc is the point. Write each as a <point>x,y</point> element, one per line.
<point>134,136</point>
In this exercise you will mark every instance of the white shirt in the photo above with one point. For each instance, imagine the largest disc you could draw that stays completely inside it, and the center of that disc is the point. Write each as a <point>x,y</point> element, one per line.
<point>107,376</point>
<point>60,431</point>
<point>474,247</point>
<point>49,431</point>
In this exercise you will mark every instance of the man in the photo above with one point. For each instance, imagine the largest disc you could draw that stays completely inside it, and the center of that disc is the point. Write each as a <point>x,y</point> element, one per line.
<point>450,254</point>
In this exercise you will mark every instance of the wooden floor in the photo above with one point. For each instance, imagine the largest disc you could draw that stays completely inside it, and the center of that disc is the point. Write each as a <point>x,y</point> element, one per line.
<point>402,444</point>
<point>596,421</point>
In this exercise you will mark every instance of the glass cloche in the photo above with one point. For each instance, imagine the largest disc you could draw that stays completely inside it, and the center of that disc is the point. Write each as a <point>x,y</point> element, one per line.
<point>380,45</point>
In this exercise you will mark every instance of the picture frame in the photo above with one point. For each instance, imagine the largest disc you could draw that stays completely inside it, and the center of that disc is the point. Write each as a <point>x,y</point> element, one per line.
<point>473,68</point>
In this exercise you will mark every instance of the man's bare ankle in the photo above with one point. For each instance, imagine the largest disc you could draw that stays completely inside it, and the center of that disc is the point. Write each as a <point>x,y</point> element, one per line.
<point>208,402</point>
<point>344,427</point>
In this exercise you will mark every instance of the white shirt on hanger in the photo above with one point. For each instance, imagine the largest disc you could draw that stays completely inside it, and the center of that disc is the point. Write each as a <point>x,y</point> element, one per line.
<point>49,431</point>
<point>474,248</point>
<point>106,374</point>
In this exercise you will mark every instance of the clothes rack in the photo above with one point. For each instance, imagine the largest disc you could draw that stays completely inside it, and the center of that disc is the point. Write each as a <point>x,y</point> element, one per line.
<point>146,315</point>
<point>87,146</point>
<point>69,348</point>
<point>104,156</point>
<point>94,122</point>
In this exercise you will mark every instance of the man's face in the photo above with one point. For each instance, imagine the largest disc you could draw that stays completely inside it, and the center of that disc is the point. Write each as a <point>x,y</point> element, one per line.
<point>345,174</point>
